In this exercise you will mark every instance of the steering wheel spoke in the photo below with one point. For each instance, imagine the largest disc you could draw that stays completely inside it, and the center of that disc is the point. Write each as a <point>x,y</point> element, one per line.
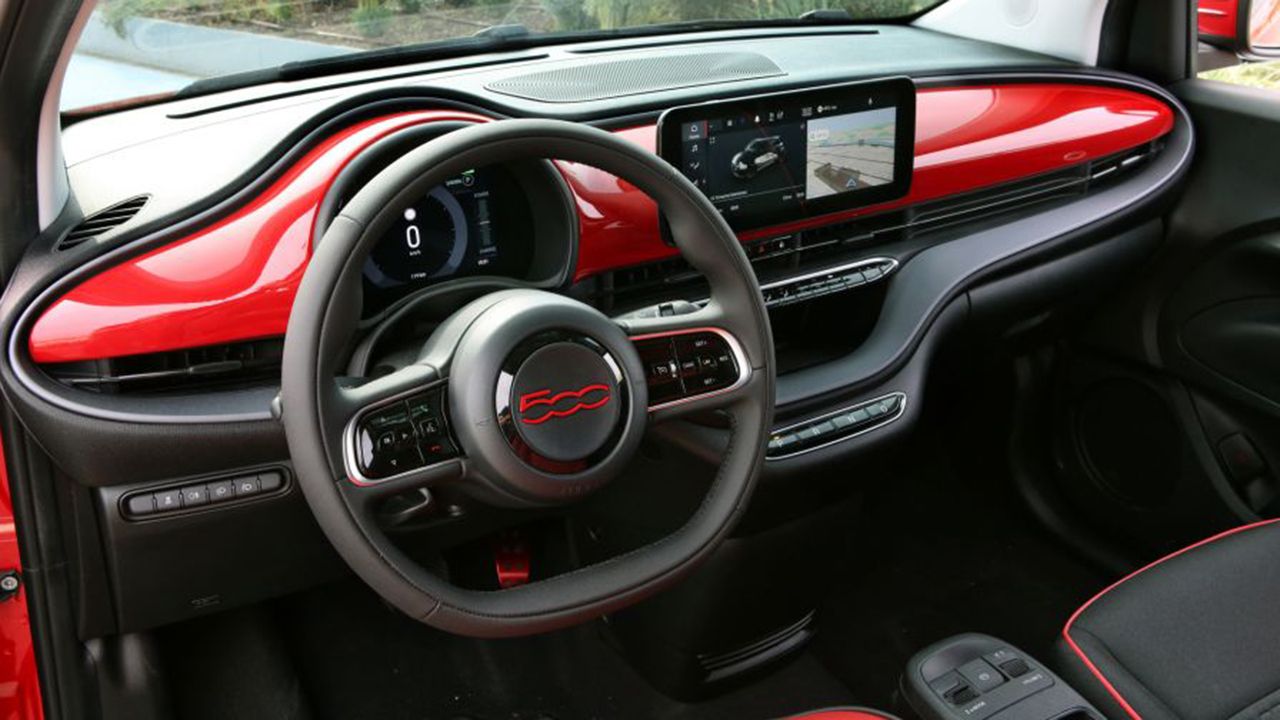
<point>396,434</point>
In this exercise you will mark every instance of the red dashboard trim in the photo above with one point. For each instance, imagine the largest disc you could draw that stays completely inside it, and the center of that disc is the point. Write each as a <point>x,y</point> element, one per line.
<point>236,279</point>
<point>967,138</point>
<point>232,281</point>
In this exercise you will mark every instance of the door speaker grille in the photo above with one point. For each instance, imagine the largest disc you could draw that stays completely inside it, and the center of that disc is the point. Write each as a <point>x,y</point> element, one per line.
<point>636,76</point>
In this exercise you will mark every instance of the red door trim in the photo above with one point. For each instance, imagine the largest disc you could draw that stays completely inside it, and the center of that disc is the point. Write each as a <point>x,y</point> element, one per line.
<point>19,677</point>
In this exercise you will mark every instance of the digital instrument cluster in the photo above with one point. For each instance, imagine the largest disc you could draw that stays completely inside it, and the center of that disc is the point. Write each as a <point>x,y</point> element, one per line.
<point>474,224</point>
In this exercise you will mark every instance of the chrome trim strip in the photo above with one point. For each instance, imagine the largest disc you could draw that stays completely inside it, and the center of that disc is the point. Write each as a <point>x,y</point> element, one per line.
<point>740,357</point>
<point>349,462</point>
<point>902,408</point>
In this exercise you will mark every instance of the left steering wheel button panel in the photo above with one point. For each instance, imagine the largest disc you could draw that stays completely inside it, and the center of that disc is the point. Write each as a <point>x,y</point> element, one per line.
<point>403,436</point>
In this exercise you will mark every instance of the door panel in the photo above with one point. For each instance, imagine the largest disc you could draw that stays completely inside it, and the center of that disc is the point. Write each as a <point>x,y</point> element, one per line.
<point>1167,406</point>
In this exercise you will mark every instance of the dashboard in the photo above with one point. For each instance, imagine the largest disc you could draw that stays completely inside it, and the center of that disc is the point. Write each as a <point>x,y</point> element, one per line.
<point>1022,174</point>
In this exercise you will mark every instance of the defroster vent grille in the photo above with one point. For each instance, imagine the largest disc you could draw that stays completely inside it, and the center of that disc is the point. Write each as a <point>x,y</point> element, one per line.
<point>635,76</point>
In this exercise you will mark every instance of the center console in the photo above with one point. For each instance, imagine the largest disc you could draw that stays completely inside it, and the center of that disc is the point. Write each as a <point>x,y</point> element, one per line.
<point>978,677</point>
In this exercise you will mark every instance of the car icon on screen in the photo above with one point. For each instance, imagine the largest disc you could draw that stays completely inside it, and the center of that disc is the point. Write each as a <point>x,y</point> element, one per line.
<point>759,154</point>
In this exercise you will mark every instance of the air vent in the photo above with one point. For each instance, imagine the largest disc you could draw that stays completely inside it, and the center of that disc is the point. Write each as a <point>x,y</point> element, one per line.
<point>766,649</point>
<point>213,367</point>
<point>103,221</point>
<point>636,76</point>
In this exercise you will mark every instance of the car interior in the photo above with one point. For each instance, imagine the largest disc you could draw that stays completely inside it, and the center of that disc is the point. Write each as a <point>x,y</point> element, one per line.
<point>836,366</point>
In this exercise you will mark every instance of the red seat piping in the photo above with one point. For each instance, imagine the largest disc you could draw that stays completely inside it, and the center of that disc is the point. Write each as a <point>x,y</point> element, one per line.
<point>1066,629</point>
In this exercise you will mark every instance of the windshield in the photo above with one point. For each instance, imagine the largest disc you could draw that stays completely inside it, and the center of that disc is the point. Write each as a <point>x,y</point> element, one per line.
<point>133,49</point>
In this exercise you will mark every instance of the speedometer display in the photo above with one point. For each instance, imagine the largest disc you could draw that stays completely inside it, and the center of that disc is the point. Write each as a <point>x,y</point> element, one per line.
<point>471,225</point>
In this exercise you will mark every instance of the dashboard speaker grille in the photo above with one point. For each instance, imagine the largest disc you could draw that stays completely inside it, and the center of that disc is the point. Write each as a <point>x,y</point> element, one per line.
<point>636,76</point>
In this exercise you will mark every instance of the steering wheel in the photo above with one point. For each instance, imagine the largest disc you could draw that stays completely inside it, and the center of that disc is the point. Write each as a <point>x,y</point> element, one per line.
<point>547,398</point>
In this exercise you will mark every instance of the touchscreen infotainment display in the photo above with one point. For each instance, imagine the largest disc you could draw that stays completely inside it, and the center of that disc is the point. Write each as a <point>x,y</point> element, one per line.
<point>775,158</point>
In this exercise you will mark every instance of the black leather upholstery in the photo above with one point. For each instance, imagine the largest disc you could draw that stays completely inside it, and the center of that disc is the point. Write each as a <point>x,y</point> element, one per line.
<point>1193,636</point>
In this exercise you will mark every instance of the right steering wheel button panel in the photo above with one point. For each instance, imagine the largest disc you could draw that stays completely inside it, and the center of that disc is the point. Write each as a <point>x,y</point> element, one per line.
<point>686,365</point>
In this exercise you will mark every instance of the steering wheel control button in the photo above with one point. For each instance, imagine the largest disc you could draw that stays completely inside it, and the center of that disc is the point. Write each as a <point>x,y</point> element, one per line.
<point>426,414</point>
<point>564,401</point>
<point>403,436</point>
<point>386,443</point>
<point>833,427</point>
<point>687,364</point>
<point>663,369</point>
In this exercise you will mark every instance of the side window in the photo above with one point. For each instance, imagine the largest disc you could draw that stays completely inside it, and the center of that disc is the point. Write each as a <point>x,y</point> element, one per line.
<point>1239,41</point>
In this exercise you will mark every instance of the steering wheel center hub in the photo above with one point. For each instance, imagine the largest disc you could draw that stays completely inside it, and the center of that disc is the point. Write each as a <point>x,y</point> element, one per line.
<point>547,396</point>
<point>561,402</point>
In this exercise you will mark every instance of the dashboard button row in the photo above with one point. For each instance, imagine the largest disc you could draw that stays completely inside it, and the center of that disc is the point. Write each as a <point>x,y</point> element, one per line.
<point>807,288</point>
<point>403,436</point>
<point>681,366</point>
<point>197,495</point>
<point>835,426</point>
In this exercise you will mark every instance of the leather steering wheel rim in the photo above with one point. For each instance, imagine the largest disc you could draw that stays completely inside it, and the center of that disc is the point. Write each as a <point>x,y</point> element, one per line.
<point>315,406</point>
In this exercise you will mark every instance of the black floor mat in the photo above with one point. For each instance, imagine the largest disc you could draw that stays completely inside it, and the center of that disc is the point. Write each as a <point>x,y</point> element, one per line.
<point>942,551</point>
<point>360,661</point>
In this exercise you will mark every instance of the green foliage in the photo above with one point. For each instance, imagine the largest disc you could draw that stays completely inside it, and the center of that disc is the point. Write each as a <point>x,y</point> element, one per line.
<point>1264,75</point>
<point>372,17</point>
<point>570,15</point>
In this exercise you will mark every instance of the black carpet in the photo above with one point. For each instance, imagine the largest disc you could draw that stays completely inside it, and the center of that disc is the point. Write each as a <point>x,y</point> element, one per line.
<point>360,661</point>
<point>942,550</point>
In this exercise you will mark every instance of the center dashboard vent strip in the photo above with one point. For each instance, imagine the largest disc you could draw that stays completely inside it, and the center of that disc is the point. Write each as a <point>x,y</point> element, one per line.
<point>636,76</point>
<point>784,259</point>
<point>103,222</point>
<point>213,367</point>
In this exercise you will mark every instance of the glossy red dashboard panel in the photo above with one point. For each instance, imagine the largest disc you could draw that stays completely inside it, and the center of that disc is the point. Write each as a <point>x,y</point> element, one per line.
<point>967,138</point>
<point>236,279</point>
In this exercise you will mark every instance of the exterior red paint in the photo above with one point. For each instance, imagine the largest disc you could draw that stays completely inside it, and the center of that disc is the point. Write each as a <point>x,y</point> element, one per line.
<point>20,692</point>
<point>236,280</point>
<point>1218,18</point>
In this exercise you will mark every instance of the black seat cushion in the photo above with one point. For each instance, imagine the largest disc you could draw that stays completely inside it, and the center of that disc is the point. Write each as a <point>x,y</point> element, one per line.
<point>1195,635</point>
